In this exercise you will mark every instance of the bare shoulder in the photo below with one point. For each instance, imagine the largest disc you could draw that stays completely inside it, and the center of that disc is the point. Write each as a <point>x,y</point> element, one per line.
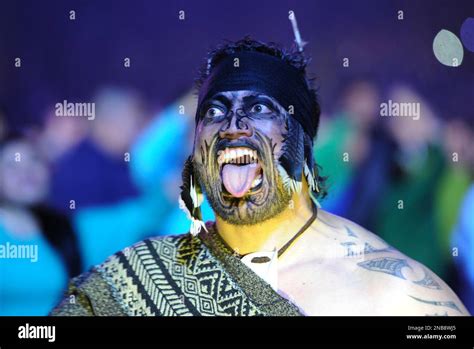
<point>393,283</point>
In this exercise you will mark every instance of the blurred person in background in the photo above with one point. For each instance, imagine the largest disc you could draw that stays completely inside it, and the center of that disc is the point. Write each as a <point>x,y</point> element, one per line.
<point>363,149</point>
<point>158,161</point>
<point>333,142</point>
<point>463,243</point>
<point>60,134</point>
<point>111,208</point>
<point>455,178</point>
<point>405,215</point>
<point>31,285</point>
<point>95,172</point>
<point>462,236</point>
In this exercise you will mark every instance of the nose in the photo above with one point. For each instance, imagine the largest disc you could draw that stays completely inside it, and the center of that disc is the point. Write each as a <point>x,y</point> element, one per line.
<point>235,128</point>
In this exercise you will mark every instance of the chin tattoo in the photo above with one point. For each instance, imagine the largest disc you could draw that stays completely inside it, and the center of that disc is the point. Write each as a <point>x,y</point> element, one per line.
<point>264,201</point>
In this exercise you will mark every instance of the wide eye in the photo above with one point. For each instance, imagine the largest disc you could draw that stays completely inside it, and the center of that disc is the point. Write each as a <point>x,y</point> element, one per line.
<point>214,112</point>
<point>260,108</point>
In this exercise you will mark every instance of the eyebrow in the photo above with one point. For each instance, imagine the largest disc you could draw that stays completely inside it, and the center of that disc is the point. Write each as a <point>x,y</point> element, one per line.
<point>259,97</point>
<point>220,97</point>
<point>248,99</point>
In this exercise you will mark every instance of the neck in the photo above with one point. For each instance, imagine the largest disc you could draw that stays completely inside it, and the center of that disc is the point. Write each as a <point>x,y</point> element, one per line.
<point>270,234</point>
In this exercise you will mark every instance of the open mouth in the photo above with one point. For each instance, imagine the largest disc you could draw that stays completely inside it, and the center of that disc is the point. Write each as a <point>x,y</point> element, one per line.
<point>241,171</point>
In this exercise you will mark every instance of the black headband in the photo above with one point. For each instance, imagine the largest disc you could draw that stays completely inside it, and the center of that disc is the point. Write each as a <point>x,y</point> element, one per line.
<point>266,74</point>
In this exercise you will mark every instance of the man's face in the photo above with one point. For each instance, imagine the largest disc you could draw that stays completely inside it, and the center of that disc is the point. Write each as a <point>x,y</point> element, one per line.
<point>239,138</point>
<point>24,176</point>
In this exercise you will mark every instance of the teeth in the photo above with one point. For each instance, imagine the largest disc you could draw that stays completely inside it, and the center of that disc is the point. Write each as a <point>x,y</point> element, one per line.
<point>257,181</point>
<point>240,155</point>
<point>220,156</point>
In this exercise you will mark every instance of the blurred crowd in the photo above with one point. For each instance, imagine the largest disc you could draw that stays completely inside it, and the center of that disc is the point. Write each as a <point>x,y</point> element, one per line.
<point>83,189</point>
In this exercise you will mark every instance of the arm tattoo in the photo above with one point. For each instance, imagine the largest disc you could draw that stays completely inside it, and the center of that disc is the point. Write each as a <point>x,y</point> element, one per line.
<point>391,266</point>
<point>449,304</point>
<point>428,282</point>
<point>394,266</point>
<point>350,232</point>
<point>368,248</point>
<point>349,251</point>
<point>353,249</point>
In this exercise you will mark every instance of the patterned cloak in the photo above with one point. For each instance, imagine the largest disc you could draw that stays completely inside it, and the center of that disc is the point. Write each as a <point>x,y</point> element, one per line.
<point>180,275</point>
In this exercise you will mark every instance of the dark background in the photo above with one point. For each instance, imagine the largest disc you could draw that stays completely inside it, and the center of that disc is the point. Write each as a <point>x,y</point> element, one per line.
<point>64,59</point>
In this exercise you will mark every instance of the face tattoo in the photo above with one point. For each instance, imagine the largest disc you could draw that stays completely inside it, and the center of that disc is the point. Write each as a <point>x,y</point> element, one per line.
<point>253,143</point>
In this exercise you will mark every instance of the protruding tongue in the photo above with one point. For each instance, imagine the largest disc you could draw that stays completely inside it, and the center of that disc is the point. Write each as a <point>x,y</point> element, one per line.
<point>238,179</point>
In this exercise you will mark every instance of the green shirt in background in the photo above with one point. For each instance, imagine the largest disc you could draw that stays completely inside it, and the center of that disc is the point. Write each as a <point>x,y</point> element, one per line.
<point>406,216</point>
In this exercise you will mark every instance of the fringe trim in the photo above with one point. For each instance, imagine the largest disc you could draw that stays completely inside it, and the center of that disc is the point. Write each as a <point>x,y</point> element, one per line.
<point>195,196</point>
<point>196,224</point>
<point>289,183</point>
